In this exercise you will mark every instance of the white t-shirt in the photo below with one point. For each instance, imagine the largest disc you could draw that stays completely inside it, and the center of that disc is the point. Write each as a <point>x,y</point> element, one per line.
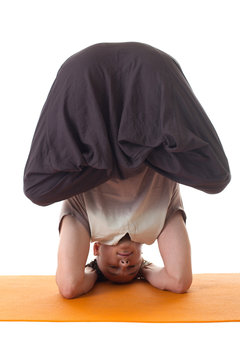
<point>138,205</point>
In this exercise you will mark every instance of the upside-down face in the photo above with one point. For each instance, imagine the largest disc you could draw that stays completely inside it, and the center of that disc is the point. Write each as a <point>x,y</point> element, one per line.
<point>119,263</point>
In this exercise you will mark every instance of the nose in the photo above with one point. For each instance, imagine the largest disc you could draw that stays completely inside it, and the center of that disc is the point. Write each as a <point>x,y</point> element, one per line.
<point>124,262</point>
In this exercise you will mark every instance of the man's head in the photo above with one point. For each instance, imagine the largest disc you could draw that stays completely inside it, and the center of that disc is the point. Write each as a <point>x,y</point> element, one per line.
<point>119,263</point>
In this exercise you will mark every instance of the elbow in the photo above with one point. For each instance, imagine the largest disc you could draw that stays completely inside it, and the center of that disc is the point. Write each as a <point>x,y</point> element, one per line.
<point>68,289</point>
<point>68,293</point>
<point>182,286</point>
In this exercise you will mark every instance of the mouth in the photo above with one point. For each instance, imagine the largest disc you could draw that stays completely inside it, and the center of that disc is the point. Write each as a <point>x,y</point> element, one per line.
<point>125,254</point>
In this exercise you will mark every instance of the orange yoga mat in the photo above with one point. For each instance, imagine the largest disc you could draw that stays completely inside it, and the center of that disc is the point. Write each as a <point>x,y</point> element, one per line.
<point>211,298</point>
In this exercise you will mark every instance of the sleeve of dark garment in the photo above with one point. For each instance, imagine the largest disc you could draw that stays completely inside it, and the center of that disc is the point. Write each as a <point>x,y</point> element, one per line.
<point>115,106</point>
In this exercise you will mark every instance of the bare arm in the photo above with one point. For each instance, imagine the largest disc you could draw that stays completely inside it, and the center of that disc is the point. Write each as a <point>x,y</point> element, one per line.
<point>174,247</point>
<point>72,278</point>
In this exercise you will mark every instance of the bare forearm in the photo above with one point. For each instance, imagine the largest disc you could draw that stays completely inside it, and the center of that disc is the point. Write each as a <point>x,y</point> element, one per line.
<point>160,279</point>
<point>72,288</point>
<point>85,285</point>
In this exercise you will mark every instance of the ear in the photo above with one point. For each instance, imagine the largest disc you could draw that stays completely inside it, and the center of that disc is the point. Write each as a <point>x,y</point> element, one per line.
<point>96,247</point>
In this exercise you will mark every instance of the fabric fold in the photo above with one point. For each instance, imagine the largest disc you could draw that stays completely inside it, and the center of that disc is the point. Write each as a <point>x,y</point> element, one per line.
<point>118,105</point>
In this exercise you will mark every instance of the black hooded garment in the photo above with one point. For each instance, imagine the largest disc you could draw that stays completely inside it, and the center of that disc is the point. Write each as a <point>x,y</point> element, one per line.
<point>114,106</point>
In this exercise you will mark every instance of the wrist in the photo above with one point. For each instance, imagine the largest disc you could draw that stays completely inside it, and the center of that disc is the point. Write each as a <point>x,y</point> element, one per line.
<point>142,270</point>
<point>91,273</point>
<point>89,280</point>
<point>152,273</point>
<point>94,265</point>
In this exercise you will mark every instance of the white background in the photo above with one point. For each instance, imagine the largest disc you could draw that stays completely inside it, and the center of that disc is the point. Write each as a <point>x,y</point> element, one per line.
<point>36,38</point>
